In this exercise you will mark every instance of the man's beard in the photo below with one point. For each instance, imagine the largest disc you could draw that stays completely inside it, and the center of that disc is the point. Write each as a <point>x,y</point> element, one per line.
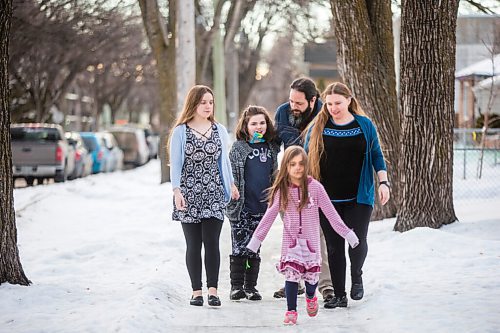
<point>299,114</point>
<point>298,118</point>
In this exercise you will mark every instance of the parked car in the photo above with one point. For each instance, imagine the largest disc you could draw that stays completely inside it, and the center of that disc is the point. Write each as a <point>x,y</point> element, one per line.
<point>83,158</point>
<point>152,139</point>
<point>40,151</point>
<point>114,154</point>
<point>153,142</point>
<point>133,143</point>
<point>95,146</point>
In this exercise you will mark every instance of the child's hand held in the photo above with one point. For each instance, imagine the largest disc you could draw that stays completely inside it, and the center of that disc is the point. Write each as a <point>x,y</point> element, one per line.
<point>235,194</point>
<point>352,239</point>
<point>254,245</point>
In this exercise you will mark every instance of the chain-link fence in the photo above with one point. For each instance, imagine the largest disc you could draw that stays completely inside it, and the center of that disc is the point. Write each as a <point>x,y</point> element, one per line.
<point>476,164</point>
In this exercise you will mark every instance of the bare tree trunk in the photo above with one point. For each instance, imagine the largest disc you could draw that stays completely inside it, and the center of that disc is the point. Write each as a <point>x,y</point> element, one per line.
<point>204,42</point>
<point>186,50</point>
<point>232,69</point>
<point>97,114</point>
<point>233,23</point>
<point>363,30</point>
<point>482,145</point>
<point>428,45</point>
<point>78,109</point>
<point>11,270</point>
<point>161,38</point>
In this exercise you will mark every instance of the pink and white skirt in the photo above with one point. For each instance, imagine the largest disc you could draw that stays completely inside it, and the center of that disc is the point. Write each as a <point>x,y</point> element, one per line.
<point>300,263</point>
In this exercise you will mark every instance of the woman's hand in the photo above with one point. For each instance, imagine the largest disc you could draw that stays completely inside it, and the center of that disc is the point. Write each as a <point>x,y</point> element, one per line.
<point>384,193</point>
<point>235,194</point>
<point>179,201</point>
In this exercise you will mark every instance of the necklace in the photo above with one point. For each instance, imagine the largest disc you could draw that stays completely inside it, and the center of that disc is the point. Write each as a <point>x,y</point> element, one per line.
<point>204,134</point>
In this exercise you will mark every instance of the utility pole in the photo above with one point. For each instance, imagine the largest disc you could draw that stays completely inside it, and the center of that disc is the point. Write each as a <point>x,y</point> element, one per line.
<point>219,76</point>
<point>233,99</point>
<point>185,46</point>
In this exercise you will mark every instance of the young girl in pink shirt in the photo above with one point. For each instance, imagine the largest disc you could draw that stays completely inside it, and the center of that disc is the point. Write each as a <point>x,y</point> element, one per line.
<point>298,196</point>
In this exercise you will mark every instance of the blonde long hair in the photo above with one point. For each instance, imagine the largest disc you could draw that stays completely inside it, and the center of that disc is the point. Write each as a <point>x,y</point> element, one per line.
<point>282,181</point>
<point>316,146</point>
<point>193,99</point>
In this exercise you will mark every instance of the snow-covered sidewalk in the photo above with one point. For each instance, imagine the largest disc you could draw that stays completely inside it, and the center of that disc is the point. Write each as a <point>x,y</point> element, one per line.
<point>104,256</point>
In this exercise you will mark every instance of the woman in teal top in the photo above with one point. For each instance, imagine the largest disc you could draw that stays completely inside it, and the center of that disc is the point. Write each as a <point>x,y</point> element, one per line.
<point>344,151</point>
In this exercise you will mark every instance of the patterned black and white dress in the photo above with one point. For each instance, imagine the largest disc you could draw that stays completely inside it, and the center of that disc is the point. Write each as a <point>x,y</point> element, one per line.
<point>201,183</point>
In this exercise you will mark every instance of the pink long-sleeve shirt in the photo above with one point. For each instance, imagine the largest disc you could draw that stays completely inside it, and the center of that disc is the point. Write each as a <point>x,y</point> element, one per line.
<point>308,218</point>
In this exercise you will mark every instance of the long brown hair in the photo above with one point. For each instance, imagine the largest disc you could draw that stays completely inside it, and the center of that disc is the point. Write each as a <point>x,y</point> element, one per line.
<point>242,127</point>
<point>193,99</point>
<point>316,147</point>
<point>282,181</point>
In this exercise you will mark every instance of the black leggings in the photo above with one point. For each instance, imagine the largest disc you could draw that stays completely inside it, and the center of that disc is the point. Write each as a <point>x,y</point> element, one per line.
<point>207,233</point>
<point>357,217</point>
<point>291,289</point>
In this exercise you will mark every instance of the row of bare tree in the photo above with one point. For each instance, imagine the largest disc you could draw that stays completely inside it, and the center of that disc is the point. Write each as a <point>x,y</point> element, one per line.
<point>58,47</point>
<point>100,54</point>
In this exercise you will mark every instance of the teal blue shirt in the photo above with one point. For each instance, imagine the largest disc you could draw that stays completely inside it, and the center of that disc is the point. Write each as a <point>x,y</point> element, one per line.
<point>373,160</point>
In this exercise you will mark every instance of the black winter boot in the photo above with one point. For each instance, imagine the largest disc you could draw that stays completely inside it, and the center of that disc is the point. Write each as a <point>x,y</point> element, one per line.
<point>251,275</point>
<point>237,275</point>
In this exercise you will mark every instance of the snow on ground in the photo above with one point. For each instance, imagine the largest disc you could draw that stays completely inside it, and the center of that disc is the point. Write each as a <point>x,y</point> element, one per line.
<point>104,256</point>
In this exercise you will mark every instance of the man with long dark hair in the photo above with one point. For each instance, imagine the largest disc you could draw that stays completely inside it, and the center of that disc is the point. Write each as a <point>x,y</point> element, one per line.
<point>291,119</point>
<point>293,116</point>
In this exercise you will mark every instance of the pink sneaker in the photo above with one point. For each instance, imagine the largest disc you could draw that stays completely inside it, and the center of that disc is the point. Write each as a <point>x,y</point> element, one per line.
<point>312,306</point>
<point>290,318</point>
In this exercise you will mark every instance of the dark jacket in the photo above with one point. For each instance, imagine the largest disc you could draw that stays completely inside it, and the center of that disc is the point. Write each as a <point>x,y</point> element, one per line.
<point>287,133</point>
<point>238,157</point>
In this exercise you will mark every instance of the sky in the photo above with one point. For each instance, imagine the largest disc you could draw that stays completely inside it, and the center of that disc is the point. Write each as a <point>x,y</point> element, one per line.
<point>104,256</point>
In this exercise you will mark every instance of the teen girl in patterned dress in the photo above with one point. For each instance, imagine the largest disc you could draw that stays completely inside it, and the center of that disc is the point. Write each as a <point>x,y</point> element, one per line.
<point>203,184</point>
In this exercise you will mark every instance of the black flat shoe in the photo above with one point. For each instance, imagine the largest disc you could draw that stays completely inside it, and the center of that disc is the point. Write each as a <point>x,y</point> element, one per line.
<point>213,300</point>
<point>336,302</point>
<point>196,301</point>
<point>357,291</point>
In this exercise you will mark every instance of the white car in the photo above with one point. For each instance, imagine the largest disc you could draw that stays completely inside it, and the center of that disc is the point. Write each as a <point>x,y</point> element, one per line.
<point>115,155</point>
